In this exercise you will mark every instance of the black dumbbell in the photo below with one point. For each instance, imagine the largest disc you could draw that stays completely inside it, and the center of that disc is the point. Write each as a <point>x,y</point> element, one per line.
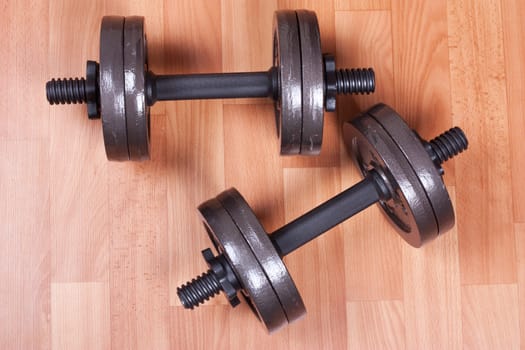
<point>401,172</point>
<point>301,82</point>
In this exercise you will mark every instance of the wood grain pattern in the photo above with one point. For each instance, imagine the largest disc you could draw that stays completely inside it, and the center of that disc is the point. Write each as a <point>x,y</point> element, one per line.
<point>514,46</point>
<point>432,297</point>
<point>484,191</point>
<point>375,324</point>
<point>138,271</point>
<point>80,315</point>
<point>260,160</point>
<point>92,252</point>
<point>24,46</point>
<point>78,173</point>
<point>252,336</point>
<point>364,5</point>
<point>206,328</point>
<point>246,32</point>
<point>520,248</point>
<point>492,324</point>
<point>25,252</point>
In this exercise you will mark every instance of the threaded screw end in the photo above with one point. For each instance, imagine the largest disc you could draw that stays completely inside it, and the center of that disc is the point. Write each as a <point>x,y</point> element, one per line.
<point>199,290</point>
<point>355,81</point>
<point>449,144</point>
<point>62,91</point>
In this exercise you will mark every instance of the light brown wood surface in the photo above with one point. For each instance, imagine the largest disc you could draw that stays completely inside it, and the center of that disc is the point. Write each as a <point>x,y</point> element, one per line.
<point>91,251</point>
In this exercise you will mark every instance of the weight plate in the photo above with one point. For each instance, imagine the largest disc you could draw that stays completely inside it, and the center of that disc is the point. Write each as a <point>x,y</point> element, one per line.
<point>409,208</point>
<point>416,155</point>
<point>256,288</point>
<point>111,81</point>
<point>265,253</point>
<point>135,68</point>
<point>287,59</point>
<point>312,82</point>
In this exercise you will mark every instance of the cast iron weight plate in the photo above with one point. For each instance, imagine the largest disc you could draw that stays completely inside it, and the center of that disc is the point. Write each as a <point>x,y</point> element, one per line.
<point>312,82</point>
<point>409,209</point>
<point>421,163</point>
<point>112,101</point>
<point>287,57</point>
<point>264,251</point>
<point>135,68</point>
<point>256,287</point>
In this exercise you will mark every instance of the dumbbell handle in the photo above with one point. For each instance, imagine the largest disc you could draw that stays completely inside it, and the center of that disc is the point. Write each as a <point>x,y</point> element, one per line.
<point>329,214</point>
<point>211,86</point>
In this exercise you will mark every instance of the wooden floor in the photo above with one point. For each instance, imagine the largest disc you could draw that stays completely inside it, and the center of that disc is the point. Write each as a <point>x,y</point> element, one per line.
<point>91,251</point>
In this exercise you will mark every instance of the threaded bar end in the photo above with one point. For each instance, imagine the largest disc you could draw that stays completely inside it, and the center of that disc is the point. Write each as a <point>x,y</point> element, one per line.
<point>449,144</point>
<point>199,290</point>
<point>62,91</point>
<point>355,81</point>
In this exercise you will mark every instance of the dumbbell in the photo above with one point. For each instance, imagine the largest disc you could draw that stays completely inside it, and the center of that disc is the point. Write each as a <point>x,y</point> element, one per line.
<point>121,89</point>
<point>401,171</point>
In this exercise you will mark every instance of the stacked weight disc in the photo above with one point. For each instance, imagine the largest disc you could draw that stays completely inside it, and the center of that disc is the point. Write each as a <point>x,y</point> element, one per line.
<point>123,67</point>
<point>265,281</point>
<point>419,206</point>
<point>299,107</point>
